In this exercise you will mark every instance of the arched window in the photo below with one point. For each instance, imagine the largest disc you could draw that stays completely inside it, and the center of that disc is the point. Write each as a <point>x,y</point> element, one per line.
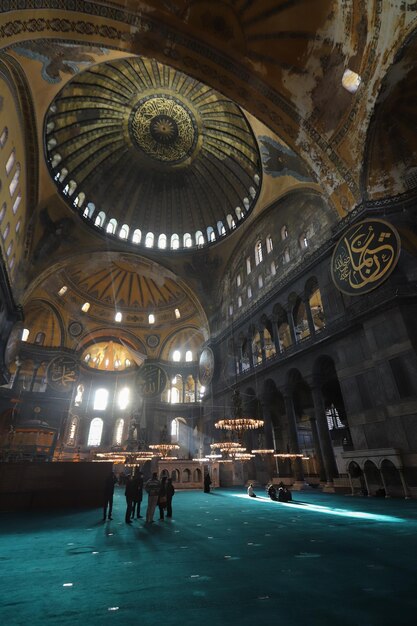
<point>260,281</point>
<point>137,236</point>
<point>118,317</point>
<point>6,231</point>
<point>211,235</point>
<point>15,180</point>
<point>79,200</point>
<point>248,265</point>
<point>284,232</point>
<point>63,174</point>
<point>70,187</point>
<point>85,307</point>
<point>9,248</point>
<point>99,221</point>
<point>252,192</point>
<point>40,338</point>
<point>100,399</point>
<point>175,429</point>
<point>258,252</point>
<point>18,225</point>
<point>124,232</point>
<point>176,355</point>
<point>63,290</point>
<point>162,241</point>
<point>25,334</point>
<point>89,210</point>
<point>177,314</point>
<point>231,222</point>
<point>79,394</point>
<point>238,280</point>
<point>3,137</point>
<point>3,212</point>
<point>187,241</point>
<point>149,240</point>
<point>95,432</point>
<point>249,292</point>
<point>246,203</point>
<point>303,241</point>
<point>118,432</point>
<point>220,228</point>
<point>269,246</point>
<point>199,238</point>
<point>239,301</point>
<point>56,160</point>
<point>175,242</point>
<point>151,318</point>
<point>10,162</point>
<point>72,431</point>
<point>16,203</point>
<point>239,213</point>
<point>188,355</point>
<point>111,226</point>
<point>273,268</point>
<point>123,399</point>
<point>286,256</point>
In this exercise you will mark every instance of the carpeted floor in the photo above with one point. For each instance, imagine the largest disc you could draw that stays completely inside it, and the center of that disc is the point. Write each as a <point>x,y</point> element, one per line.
<point>223,559</point>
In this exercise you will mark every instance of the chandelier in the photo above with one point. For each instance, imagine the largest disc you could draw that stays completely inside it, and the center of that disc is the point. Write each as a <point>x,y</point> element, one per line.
<point>288,455</point>
<point>163,449</point>
<point>263,451</point>
<point>238,423</point>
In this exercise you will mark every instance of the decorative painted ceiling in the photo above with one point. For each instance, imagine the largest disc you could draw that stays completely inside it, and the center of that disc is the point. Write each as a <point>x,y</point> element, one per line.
<point>137,144</point>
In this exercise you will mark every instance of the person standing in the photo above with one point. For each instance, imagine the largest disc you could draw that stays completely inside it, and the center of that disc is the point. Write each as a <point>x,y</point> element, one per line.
<point>207,483</point>
<point>108,495</point>
<point>137,500</point>
<point>170,495</point>
<point>152,488</point>
<point>130,494</point>
<point>162,497</point>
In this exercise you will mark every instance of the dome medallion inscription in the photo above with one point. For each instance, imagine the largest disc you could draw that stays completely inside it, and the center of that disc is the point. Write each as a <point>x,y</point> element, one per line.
<point>164,129</point>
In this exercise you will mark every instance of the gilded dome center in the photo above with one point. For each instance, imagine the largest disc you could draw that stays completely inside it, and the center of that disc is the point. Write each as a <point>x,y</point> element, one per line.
<point>163,128</point>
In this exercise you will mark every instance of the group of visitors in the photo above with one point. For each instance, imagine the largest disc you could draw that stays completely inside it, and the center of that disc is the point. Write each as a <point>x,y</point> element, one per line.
<point>160,494</point>
<point>282,495</point>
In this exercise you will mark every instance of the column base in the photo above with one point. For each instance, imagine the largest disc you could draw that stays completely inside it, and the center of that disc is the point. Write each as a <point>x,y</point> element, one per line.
<point>298,485</point>
<point>328,488</point>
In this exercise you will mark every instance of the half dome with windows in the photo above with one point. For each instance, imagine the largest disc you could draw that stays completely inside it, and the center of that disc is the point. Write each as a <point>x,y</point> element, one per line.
<point>151,156</point>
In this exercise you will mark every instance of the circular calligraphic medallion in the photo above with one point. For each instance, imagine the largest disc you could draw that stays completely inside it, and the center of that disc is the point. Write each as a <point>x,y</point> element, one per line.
<point>152,341</point>
<point>163,128</point>
<point>206,367</point>
<point>365,256</point>
<point>62,373</point>
<point>152,380</point>
<point>75,329</point>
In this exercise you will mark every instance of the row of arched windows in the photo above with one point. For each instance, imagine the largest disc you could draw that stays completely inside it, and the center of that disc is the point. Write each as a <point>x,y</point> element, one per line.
<point>210,234</point>
<point>13,171</point>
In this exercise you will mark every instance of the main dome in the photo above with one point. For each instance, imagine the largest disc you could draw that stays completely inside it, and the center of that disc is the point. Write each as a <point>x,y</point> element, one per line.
<point>152,156</point>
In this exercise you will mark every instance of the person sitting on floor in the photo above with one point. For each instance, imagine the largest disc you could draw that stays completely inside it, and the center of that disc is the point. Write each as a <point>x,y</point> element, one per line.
<point>284,494</point>
<point>272,492</point>
<point>251,492</point>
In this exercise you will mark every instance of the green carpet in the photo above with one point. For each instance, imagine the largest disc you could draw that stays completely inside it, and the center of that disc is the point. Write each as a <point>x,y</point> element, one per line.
<point>223,559</point>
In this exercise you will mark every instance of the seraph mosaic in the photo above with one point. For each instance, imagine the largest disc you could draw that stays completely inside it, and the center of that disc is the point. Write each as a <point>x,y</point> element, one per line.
<point>58,57</point>
<point>279,160</point>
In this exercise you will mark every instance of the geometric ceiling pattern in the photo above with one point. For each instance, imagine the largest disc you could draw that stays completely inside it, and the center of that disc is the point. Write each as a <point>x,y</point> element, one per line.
<point>137,147</point>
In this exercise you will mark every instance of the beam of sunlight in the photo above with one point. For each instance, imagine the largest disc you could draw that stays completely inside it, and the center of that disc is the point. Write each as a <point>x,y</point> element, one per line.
<point>327,510</point>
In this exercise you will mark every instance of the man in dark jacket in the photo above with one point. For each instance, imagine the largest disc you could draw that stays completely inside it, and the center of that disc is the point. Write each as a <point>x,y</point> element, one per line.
<point>108,494</point>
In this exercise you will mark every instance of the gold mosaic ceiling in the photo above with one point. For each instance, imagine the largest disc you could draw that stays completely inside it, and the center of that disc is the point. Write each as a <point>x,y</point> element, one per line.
<point>153,149</point>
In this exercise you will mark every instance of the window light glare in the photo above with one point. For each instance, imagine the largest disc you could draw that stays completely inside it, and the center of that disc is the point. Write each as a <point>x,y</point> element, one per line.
<point>63,290</point>
<point>25,334</point>
<point>85,307</point>
<point>118,317</point>
<point>351,81</point>
<point>151,318</point>
<point>177,314</point>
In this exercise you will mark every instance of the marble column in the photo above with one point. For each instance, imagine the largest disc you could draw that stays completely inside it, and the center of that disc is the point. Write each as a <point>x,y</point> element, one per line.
<point>310,320</point>
<point>275,335</point>
<point>293,436</point>
<point>291,325</point>
<point>329,462</point>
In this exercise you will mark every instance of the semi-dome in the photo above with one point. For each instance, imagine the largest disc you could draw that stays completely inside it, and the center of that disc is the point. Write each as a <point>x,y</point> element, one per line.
<point>151,155</point>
